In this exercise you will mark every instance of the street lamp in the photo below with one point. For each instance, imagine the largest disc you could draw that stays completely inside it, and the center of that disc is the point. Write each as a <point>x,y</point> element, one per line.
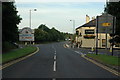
<point>30,15</point>
<point>73,33</point>
<point>73,25</point>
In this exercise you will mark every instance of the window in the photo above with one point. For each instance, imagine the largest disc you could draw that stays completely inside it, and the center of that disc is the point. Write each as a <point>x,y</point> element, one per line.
<point>89,31</point>
<point>77,32</point>
<point>103,42</point>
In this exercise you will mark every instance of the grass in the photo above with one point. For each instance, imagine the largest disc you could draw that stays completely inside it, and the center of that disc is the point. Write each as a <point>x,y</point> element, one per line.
<point>106,59</point>
<point>11,55</point>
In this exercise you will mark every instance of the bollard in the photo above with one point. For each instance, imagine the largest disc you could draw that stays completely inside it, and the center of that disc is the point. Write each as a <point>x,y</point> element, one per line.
<point>33,43</point>
<point>25,43</point>
<point>92,49</point>
<point>110,49</point>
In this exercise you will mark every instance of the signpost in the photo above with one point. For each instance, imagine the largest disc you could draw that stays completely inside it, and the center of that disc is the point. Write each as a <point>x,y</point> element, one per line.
<point>105,24</point>
<point>26,34</point>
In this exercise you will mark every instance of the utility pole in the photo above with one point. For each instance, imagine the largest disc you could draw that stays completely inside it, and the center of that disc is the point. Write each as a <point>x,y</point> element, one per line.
<point>30,16</point>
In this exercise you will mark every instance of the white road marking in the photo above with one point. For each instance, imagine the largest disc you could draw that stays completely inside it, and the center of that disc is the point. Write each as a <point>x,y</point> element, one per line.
<point>54,67</point>
<point>82,55</point>
<point>76,51</point>
<point>53,79</point>
<point>54,57</point>
<point>90,52</point>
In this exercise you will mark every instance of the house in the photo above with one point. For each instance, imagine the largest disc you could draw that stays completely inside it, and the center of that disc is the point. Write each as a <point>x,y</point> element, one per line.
<point>86,35</point>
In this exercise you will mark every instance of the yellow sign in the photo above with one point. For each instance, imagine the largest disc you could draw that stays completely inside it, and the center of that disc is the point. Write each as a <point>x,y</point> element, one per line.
<point>106,24</point>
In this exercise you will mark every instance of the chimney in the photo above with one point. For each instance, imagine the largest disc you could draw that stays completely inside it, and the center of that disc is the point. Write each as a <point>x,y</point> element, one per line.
<point>93,17</point>
<point>87,18</point>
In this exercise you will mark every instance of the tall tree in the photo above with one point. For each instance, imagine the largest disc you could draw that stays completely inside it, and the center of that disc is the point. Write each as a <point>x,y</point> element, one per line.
<point>10,20</point>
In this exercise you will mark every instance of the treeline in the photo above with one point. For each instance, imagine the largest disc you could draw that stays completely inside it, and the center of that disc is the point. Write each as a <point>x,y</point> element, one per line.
<point>44,34</point>
<point>10,20</point>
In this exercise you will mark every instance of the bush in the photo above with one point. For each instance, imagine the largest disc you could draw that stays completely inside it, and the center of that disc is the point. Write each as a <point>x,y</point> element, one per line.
<point>7,46</point>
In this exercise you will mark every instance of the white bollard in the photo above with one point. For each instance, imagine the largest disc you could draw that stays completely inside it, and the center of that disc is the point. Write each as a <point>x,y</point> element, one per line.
<point>25,43</point>
<point>92,49</point>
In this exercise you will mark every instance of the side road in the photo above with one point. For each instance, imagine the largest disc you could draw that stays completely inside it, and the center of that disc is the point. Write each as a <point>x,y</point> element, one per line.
<point>83,52</point>
<point>17,55</point>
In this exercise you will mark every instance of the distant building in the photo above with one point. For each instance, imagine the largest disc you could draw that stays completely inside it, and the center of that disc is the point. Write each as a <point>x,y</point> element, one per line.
<point>86,35</point>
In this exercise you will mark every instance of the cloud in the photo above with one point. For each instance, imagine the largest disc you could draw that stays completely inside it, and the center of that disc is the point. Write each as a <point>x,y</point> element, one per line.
<point>58,14</point>
<point>60,0</point>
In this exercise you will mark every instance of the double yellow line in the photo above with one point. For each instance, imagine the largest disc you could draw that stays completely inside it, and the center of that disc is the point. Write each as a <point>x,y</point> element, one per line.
<point>18,60</point>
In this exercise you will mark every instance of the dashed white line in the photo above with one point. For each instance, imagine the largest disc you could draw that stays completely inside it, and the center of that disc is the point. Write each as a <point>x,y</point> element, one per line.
<point>54,68</point>
<point>54,57</point>
<point>53,79</point>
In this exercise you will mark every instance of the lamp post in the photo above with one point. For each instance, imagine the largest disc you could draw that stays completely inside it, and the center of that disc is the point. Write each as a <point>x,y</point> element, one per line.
<point>73,25</point>
<point>30,15</point>
<point>73,44</point>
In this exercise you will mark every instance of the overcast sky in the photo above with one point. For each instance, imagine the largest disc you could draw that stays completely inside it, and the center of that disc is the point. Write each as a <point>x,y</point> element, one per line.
<point>57,14</point>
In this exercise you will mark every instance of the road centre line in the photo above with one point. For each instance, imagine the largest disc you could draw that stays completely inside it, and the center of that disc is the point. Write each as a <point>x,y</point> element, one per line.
<point>54,66</point>
<point>54,57</point>
<point>53,79</point>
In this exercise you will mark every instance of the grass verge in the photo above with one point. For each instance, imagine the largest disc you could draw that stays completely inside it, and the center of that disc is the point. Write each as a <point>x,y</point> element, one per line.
<point>106,59</point>
<point>17,53</point>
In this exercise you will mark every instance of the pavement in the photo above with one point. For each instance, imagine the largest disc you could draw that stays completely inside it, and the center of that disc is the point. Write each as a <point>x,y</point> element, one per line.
<point>116,52</point>
<point>54,61</point>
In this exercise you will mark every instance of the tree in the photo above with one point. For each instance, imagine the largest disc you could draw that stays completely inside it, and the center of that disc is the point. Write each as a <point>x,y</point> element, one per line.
<point>10,20</point>
<point>40,36</point>
<point>43,34</point>
<point>44,28</point>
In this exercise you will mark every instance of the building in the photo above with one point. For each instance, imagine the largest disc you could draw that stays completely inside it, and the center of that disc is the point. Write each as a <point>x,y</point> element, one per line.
<point>86,35</point>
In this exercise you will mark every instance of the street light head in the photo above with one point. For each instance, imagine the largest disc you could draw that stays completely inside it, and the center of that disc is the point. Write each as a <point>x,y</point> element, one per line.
<point>70,20</point>
<point>35,9</point>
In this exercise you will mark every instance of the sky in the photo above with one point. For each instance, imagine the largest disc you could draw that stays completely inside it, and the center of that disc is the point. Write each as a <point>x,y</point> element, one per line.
<point>57,14</point>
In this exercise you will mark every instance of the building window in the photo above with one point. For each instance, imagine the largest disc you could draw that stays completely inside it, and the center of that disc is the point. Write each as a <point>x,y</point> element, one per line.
<point>89,31</point>
<point>77,32</point>
<point>103,42</point>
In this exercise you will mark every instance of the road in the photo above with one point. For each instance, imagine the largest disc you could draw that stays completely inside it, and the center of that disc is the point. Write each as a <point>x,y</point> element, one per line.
<point>55,61</point>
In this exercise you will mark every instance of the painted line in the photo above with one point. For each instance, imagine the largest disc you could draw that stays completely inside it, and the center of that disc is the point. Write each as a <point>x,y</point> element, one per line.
<point>53,79</point>
<point>18,60</point>
<point>54,67</point>
<point>64,46</point>
<point>76,51</point>
<point>90,52</point>
<point>103,66</point>
<point>54,57</point>
<point>82,55</point>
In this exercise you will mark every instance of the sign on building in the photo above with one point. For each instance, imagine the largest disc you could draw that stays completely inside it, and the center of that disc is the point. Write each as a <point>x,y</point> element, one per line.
<point>105,21</point>
<point>26,34</point>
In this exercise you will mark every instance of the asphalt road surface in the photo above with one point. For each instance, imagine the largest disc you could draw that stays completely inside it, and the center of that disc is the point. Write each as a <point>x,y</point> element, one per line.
<point>55,61</point>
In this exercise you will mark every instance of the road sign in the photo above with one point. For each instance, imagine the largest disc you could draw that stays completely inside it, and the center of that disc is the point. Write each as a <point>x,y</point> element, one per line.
<point>105,20</point>
<point>106,24</point>
<point>26,34</point>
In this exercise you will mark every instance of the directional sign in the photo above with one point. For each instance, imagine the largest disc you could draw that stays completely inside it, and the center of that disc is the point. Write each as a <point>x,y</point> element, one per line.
<point>105,21</point>
<point>106,24</point>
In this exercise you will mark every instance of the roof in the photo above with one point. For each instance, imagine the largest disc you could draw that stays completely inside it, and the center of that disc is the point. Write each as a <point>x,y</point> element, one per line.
<point>92,23</point>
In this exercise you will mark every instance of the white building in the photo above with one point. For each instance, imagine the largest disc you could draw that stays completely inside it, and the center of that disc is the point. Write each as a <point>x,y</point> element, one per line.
<point>87,35</point>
